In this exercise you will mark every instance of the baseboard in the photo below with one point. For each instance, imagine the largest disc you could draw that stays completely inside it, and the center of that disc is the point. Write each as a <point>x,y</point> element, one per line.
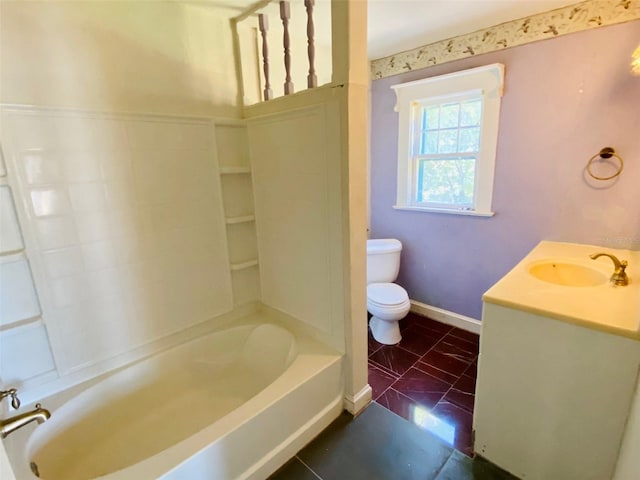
<point>354,404</point>
<point>445,316</point>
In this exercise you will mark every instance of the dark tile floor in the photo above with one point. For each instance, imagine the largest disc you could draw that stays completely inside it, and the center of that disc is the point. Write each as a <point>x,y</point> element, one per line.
<point>429,378</point>
<point>379,445</point>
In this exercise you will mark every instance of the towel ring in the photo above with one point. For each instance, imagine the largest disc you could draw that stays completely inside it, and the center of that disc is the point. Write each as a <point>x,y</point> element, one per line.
<point>606,152</point>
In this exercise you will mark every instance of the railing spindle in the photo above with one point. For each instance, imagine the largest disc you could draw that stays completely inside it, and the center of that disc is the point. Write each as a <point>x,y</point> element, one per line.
<point>263,23</point>
<point>285,14</point>
<point>312,79</point>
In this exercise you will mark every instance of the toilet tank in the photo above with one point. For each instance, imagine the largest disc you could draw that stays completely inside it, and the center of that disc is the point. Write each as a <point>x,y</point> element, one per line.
<point>383,260</point>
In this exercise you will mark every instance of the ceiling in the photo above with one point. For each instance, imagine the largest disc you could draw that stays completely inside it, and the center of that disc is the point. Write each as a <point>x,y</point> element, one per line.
<point>398,25</point>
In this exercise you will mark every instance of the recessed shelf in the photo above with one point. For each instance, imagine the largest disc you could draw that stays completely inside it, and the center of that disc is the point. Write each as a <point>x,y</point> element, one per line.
<point>243,219</point>
<point>234,170</point>
<point>243,265</point>
<point>237,195</point>
<point>14,256</point>
<point>20,323</point>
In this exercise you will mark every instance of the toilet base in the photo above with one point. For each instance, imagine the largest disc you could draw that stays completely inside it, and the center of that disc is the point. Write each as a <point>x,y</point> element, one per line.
<point>385,332</point>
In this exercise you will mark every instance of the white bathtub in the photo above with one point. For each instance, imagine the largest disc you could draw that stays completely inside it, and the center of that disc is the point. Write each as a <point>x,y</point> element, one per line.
<point>236,403</point>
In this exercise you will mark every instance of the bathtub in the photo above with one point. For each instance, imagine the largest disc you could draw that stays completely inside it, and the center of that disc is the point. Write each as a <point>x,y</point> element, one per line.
<point>234,404</point>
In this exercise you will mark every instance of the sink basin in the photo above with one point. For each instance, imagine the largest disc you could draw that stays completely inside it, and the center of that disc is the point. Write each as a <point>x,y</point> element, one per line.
<point>568,274</point>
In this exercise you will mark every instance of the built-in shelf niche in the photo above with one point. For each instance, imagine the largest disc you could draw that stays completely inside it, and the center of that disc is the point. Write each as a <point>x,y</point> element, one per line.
<point>232,143</point>
<point>237,193</point>
<point>243,245</point>
<point>234,170</point>
<point>246,284</point>
<point>243,219</point>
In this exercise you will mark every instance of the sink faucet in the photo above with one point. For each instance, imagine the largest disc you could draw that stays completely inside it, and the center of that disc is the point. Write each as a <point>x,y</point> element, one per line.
<point>619,276</point>
<point>11,424</point>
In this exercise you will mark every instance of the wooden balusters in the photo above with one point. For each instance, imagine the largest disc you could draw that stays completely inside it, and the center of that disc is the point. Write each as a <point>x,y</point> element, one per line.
<point>285,14</point>
<point>263,23</point>
<point>312,79</point>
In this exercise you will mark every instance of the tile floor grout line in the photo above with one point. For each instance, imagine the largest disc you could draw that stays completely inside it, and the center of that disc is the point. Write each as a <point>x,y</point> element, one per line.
<point>445,394</point>
<point>420,357</point>
<point>308,467</point>
<point>383,392</point>
<point>470,365</point>
<point>451,388</point>
<point>452,384</point>
<point>383,368</point>
<point>377,366</point>
<point>406,396</point>
<point>440,370</point>
<point>438,343</point>
<point>434,346</point>
<point>374,350</point>
<point>406,350</point>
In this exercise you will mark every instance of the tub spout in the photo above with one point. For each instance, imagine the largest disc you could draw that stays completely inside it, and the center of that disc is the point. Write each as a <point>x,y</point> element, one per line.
<point>619,276</point>
<point>10,425</point>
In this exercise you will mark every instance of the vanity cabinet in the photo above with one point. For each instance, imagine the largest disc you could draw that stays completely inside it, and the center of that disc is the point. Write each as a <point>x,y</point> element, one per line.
<point>552,396</point>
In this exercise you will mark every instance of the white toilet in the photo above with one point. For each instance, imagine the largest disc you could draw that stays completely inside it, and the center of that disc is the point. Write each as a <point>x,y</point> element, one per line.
<point>386,301</point>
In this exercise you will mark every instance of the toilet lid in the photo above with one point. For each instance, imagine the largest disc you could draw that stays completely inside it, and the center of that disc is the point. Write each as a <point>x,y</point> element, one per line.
<point>387,293</point>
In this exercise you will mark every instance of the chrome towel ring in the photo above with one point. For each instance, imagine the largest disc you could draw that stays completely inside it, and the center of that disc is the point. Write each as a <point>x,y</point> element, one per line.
<point>606,152</point>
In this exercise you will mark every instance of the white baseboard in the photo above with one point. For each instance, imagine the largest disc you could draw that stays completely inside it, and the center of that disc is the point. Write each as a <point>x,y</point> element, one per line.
<point>354,404</point>
<point>445,316</point>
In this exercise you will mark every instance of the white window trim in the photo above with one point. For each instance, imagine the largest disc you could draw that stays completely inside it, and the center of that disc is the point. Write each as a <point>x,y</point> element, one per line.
<point>489,80</point>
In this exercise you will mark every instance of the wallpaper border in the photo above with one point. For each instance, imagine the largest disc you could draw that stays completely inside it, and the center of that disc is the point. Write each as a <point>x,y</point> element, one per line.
<point>562,21</point>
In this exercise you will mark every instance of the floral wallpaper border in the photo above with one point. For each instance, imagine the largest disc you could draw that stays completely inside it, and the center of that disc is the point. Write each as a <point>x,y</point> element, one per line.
<point>574,18</point>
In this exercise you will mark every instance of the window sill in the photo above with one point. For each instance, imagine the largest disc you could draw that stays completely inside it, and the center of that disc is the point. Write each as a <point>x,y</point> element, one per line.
<point>448,211</point>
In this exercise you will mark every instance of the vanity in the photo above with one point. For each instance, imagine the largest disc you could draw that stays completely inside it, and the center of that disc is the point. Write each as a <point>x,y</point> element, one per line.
<point>558,364</point>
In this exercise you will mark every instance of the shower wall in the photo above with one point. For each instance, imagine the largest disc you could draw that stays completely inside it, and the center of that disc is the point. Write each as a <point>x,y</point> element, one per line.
<point>122,216</point>
<point>123,222</point>
<point>296,163</point>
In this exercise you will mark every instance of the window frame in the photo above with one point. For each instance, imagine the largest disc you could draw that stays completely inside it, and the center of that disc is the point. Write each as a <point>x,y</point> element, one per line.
<point>487,82</point>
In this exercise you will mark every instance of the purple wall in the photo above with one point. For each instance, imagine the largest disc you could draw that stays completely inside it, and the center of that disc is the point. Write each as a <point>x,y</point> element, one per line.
<point>564,100</point>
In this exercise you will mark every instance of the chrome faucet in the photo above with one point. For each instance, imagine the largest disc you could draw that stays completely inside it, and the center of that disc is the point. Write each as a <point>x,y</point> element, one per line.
<point>619,276</point>
<point>11,424</point>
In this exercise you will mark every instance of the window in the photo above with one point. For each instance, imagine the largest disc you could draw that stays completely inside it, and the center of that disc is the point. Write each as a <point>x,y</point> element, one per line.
<point>448,131</point>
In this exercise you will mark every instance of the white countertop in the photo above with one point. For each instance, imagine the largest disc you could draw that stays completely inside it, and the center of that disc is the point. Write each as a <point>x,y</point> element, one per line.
<point>606,307</point>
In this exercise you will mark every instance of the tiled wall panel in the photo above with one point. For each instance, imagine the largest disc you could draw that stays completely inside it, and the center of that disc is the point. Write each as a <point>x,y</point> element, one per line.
<point>24,353</point>
<point>18,299</point>
<point>10,237</point>
<point>128,232</point>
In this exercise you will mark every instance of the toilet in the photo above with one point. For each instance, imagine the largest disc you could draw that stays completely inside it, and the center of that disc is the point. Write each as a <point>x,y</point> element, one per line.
<point>386,301</point>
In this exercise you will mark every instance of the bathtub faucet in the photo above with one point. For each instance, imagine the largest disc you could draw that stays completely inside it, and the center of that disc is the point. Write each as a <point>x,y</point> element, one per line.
<point>13,393</point>
<point>9,425</point>
<point>619,276</point>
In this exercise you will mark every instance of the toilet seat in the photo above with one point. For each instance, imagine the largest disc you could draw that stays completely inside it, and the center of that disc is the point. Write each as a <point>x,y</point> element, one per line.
<point>386,295</point>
